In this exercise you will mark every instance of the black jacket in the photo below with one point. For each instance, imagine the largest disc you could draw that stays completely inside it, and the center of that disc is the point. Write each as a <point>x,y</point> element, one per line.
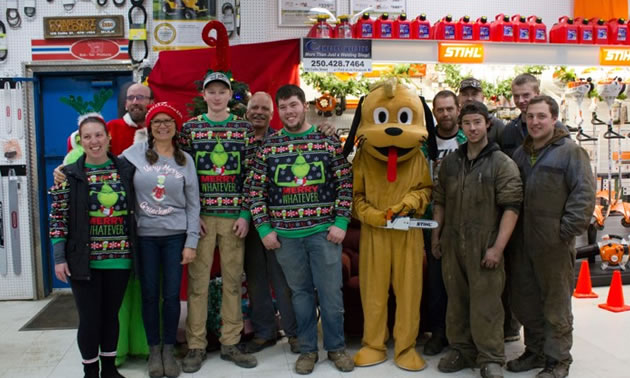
<point>78,238</point>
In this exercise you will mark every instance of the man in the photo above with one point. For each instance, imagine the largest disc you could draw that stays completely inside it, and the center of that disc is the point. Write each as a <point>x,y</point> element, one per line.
<point>261,266</point>
<point>220,144</point>
<point>558,202</point>
<point>123,130</point>
<point>477,198</point>
<point>300,200</point>
<point>470,89</point>
<point>524,88</point>
<point>448,138</point>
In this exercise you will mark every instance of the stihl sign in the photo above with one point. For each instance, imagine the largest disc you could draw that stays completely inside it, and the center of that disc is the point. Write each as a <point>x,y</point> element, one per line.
<point>460,52</point>
<point>614,56</point>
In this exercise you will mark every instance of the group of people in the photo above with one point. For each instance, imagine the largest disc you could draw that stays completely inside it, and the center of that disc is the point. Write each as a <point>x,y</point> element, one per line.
<point>157,204</point>
<point>508,199</point>
<point>509,202</point>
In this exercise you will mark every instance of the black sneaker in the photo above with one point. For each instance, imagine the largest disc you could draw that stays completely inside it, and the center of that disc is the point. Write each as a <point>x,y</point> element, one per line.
<point>256,345</point>
<point>193,360</point>
<point>526,361</point>
<point>454,361</point>
<point>435,345</point>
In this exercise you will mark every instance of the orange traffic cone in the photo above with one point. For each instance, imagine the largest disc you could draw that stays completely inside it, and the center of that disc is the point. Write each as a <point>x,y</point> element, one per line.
<point>584,288</point>
<point>614,302</point>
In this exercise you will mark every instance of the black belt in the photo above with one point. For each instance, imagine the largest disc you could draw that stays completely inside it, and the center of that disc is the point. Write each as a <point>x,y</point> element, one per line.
<point>121,3</point>
<point>137,4</point>
<point>13,17</point>
<point>3,31</point>
<point>101,2</point>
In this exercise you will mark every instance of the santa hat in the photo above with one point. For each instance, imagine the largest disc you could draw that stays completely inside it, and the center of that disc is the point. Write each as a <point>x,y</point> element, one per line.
<point>164,107</point>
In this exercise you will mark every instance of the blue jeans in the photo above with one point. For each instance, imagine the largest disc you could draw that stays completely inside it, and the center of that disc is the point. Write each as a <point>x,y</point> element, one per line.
<point>160,257</point>
<point>261,268</point>
<point>311,263</point>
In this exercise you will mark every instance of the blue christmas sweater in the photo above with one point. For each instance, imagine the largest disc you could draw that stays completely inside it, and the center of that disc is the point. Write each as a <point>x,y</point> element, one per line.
<point>299,185</point>
<point>221,151</point>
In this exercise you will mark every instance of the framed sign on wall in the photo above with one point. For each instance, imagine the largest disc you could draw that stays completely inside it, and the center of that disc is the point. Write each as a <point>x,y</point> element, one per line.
<point>295,13</point>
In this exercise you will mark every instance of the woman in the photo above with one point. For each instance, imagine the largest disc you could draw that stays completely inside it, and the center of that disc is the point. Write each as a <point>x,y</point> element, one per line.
<point>92,227</point>
<point>167,196</point>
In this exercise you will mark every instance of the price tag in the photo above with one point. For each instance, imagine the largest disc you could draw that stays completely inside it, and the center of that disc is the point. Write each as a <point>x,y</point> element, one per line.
<point>336,55</point>
<point>137,32</point>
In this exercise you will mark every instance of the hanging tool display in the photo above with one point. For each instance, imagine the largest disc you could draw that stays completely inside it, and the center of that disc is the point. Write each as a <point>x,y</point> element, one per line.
<point>14,222</point>
<point>13,14</point>
<point>29,8</point>
<point>6,94</point>
<point>17,102</point>
<point>4,51</point>
<point>3,249</point>
<point>137,30</point>
<point>613,250</point>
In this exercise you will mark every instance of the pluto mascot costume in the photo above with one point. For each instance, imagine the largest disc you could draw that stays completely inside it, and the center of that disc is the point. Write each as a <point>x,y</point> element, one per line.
<point>390,173</point>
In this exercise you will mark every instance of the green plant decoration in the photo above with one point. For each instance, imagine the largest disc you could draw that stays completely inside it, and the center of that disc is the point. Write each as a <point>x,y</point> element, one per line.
<point>532,70</point>
<point>337,88</point>
<point>453,74</point>
<point>564,74</point>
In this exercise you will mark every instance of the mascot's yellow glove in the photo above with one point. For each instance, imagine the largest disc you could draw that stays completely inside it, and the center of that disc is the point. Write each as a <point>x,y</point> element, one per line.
<point>415,201</point>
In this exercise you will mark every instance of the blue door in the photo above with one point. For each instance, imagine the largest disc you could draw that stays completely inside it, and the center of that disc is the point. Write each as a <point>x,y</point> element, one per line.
<point>55,121</point>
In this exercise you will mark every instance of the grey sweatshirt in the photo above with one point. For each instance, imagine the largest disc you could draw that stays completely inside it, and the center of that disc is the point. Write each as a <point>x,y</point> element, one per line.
<point>167,195</point>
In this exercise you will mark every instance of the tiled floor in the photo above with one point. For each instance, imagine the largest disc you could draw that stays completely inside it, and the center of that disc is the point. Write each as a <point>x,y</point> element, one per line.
<point>601,349</point>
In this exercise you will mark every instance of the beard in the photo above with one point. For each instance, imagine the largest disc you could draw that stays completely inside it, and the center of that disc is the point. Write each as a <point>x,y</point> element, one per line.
<point>137,114</point>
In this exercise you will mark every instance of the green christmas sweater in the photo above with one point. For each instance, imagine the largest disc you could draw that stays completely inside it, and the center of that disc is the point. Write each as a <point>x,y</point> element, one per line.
<point>299,185</point>
<point>221,151</point>
<point>109,244</point>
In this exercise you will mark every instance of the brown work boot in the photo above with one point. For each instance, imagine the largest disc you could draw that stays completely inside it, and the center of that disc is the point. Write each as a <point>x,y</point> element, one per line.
<point>491,370</point>
<point>526,361</point>
<point>193,360</point>
<point>454,361</point>
<point>232,353</point>
<point>554,369</point>
<point>294,343</point>
<point>306,362</point>
<point>342,361</point>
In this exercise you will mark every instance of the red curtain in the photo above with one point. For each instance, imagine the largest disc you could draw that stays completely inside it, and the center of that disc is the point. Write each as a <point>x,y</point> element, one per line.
<point>263,66</point>
<point>605,9</point>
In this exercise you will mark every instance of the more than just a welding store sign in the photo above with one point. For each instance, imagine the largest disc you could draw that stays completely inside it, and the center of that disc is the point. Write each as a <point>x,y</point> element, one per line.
<point>84,27</point>
<point>336,55</point>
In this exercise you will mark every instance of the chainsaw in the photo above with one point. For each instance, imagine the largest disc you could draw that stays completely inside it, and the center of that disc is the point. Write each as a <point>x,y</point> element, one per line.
<point>404,223</point>
<point>613,250</point>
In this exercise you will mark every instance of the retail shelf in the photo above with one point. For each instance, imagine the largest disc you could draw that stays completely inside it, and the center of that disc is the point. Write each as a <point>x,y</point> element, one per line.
<point>494,52</point>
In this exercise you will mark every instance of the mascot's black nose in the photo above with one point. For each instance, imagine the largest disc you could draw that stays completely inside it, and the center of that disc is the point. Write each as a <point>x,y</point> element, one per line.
<point>393,131</point>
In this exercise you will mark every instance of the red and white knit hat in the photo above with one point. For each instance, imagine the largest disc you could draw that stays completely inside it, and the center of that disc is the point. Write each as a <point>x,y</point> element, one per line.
<point>164,107</point>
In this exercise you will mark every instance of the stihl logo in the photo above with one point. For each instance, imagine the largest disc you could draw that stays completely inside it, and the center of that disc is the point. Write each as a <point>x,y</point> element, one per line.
<point>618,56</point>
<point>460,53</point>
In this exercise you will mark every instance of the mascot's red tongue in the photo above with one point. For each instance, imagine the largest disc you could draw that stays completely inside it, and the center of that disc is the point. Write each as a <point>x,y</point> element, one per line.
<point>392,159</point>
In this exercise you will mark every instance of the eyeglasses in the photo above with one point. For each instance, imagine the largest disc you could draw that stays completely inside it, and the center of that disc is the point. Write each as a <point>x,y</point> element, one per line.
<point>165,122</point>
<point>131,98</point>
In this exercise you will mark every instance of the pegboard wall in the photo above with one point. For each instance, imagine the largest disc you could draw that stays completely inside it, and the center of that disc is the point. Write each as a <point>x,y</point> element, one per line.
<point>259,19</point>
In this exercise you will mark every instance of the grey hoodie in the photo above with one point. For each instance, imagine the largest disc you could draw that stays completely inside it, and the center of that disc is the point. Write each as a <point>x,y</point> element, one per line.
<point>167,195</point>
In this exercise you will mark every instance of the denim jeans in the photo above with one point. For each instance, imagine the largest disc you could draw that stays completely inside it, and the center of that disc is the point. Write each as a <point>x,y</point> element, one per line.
<point>160,258</point>
<point>261,268</point>
<point>311,263</point>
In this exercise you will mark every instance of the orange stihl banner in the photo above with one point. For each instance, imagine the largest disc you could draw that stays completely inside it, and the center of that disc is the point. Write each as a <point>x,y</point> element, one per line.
<point>614,56</point>
<point>460,52</point>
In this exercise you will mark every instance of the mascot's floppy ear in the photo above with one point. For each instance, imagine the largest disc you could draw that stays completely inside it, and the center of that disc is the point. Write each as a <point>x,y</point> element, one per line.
<point>349,146</point>
<point>430,125</point>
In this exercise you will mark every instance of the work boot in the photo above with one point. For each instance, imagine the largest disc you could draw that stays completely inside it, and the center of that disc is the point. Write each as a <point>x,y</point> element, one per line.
<point>554,369</point>
<point>306,362</point>
<point>454,361</point>
<point>511,335</point>
<point>526,361</point>
<point>108,367</point>
<point>232,353</point>
<point>91,370</point>
<point>294,343</point>
<point>491,370</point>
<point>171,368</point>
<point>257,344</point>
<point>193,360</point>
<point>436,344</point>
<point>156,369</point>
<point>342,361</point>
